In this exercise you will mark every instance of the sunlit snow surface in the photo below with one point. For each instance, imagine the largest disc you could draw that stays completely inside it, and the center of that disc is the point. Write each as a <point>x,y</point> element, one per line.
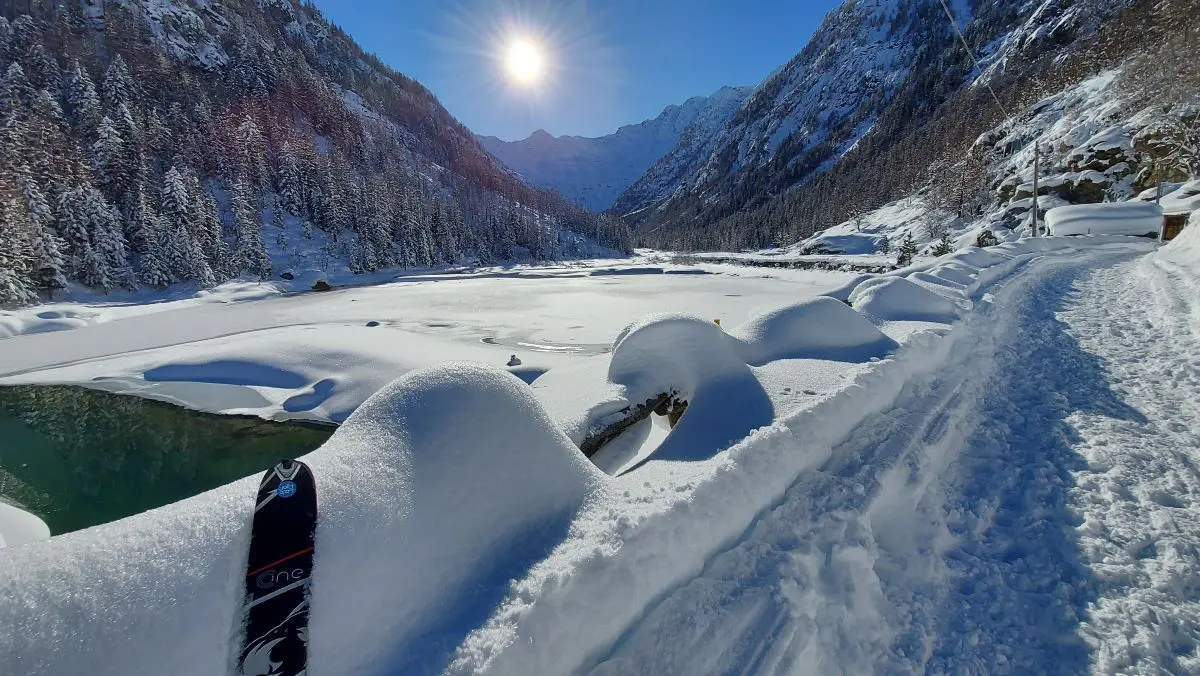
<point>906,511</point>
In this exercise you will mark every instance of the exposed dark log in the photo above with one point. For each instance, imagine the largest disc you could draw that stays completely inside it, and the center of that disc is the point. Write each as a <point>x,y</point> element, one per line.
<point>628,417</point>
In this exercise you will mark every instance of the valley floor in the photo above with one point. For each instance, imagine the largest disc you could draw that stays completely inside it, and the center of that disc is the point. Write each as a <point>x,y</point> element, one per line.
<point>1012,487</point>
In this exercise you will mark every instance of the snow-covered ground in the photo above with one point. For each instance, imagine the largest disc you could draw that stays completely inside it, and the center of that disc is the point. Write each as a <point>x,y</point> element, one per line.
<point>987,465</point>
<point>318,356</point>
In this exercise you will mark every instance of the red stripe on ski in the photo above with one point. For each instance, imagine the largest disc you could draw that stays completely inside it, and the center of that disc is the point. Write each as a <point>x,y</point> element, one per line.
<point>276,563</point>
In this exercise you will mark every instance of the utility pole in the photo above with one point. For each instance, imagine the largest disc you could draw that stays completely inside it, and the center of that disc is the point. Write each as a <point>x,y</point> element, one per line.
<point>1036,170</point>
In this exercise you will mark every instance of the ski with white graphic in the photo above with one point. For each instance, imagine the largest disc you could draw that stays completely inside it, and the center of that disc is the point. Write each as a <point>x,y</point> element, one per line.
<point>278,573</point>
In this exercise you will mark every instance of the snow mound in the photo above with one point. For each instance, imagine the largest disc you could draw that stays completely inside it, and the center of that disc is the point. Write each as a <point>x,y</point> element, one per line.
<point>18,527</point>
<point>695,361</point>
<point>820,328</point>
<point>1120,218</point>
<point>898,299</point>
<point>434,494</point>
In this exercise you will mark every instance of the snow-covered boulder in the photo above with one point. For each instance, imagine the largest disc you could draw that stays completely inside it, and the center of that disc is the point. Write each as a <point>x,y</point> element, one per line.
<point>1118,218</point>
<point>699,363</point>
<point>433,495</point>
<point>818,328</point>
<point>18,527</point>
<point>898,299</point>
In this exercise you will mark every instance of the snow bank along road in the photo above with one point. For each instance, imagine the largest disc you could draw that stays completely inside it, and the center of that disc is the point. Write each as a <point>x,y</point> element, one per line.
<point>1012,491</point>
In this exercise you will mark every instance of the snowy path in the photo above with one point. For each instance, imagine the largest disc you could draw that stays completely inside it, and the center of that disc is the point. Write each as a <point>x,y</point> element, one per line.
<point>1027,510</point>
<point>1140,492</point>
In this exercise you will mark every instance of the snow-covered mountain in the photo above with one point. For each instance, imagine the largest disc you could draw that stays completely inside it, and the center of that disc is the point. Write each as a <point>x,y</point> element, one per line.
<point>594,171</point>
<point>146,142</point>
<point>871,61</point>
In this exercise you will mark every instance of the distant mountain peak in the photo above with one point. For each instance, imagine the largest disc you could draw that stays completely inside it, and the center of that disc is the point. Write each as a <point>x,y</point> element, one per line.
<point>593,172</point>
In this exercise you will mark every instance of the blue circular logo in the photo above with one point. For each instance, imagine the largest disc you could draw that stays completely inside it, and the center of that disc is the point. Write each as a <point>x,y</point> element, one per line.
<point>286,489</point>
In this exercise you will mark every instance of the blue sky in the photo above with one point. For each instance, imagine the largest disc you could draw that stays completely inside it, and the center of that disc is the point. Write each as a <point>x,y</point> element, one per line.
<point>608,63</point>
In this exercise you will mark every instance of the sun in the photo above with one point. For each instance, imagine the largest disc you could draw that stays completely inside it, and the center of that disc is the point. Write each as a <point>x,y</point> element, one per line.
<point>524,61</point>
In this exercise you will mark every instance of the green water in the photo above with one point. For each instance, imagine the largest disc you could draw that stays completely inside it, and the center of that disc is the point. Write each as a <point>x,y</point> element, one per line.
<point>79,457</point>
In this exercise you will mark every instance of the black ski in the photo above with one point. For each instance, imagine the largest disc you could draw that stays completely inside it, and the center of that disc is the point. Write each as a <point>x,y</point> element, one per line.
<point>277,573</point>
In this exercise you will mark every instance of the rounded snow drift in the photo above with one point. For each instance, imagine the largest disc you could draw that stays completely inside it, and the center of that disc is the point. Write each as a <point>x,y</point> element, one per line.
<point>898,299</point>
<point>819,328</point>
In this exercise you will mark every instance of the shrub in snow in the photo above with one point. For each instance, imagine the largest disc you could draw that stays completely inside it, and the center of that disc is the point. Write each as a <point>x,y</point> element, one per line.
<point>321,284</point>
<point>818,328</point>
<point>898,299</point>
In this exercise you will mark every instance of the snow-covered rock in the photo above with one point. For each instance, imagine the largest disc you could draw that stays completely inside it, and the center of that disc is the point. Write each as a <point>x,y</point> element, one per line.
<point>695,360</point>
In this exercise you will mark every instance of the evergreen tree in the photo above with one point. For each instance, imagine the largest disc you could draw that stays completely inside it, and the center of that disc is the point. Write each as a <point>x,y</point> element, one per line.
<point>107,244</point>
<point>46,260</point>
<point>249,253</point>
<point>908,249</point>
<point>83,103</point>
<point>108,159</point>
<point>290,181</point>
<point>251,154</point>
<point>15,88</point>
<point>119,87</point>
<point>155,272</point>
<point>16,288</point>
<point>944,245</point>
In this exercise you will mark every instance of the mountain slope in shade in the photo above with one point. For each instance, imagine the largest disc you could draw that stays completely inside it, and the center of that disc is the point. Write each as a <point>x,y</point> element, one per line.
<point>593,172</point>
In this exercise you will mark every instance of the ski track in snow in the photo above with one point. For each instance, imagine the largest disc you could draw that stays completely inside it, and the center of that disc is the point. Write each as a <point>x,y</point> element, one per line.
<point>1029,509</point>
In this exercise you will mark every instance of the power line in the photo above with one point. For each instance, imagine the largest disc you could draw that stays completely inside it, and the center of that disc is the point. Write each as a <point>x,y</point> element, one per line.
<point>971,53</point>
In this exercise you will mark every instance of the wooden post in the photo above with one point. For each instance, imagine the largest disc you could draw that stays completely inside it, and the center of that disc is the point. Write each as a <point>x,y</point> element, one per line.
<point>1036,169</point>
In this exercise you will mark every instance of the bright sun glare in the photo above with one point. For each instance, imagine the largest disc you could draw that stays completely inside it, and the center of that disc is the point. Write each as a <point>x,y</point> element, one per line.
<point>524,62</point>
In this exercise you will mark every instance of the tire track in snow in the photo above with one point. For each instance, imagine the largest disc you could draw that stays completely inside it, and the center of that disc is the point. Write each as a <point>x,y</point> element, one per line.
<point>938,538</point>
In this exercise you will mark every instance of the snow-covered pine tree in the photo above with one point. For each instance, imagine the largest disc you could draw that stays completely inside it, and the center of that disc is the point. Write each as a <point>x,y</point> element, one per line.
<point>44,71</point>
<point>72,226</point>
<point>210,233</point>
<point>83,103</point>
<point>48,146</point>
<point>251,154</point>
<point>108,159</point>
<point>249,253</point>
<point>16,288</point>
<point>155,270</point>
<point>119,88</point>
<point>106,242</point>
<point>15,88</point>
<point>46,260</point>
<point>289,180</point>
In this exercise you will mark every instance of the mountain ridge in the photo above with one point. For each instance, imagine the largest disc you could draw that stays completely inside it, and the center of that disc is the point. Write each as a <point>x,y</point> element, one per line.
<point>594,171</point>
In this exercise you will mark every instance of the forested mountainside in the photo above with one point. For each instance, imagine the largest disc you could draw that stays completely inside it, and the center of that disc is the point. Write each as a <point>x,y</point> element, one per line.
<point>885,100</point>
<point>146,142</point>
<point>594,171</point>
